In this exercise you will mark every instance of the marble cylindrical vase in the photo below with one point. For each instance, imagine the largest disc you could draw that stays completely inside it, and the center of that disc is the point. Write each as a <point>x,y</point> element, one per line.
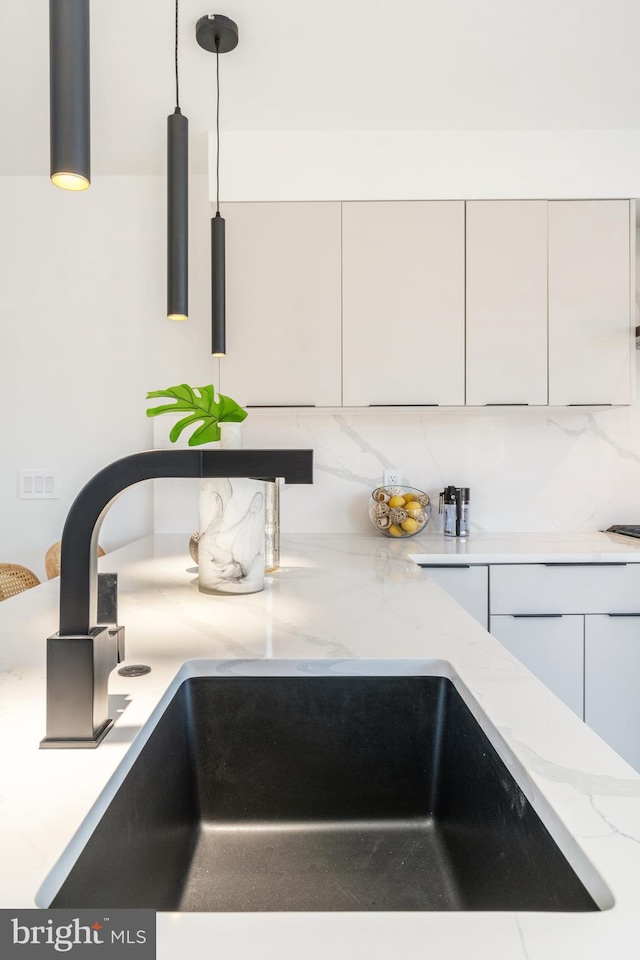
<point>232,524</point>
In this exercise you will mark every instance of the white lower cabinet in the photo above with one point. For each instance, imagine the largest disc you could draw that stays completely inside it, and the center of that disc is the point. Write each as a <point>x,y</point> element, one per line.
<point>612,682</point>
<point>468,585</point>
<point>588,656</point>
<point>552,647</point>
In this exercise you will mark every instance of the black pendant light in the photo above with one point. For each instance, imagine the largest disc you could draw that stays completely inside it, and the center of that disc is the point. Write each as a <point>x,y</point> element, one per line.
<point>69,93</point>
<point>177,207</point>
<point>217,34</point>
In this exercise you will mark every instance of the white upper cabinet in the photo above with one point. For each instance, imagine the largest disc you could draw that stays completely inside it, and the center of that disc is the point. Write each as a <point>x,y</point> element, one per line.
<point>506,302</point>
<point>429,302</point>
<point>283,304</point>
<point>403,302</point>
<point>590,318</point>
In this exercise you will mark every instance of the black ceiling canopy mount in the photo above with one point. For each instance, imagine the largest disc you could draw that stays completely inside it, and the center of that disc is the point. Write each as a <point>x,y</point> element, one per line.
<point>217,33</point>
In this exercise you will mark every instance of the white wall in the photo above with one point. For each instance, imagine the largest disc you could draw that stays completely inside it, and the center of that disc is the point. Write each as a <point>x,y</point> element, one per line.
<point>426,164</point>
<point>84,337</point>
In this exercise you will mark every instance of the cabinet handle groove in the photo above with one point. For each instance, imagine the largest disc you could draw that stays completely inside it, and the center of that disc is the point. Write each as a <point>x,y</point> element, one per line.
<point>536,616</point>
<point>623,614</point>
<point>446,566</point>
<point>588,563</point>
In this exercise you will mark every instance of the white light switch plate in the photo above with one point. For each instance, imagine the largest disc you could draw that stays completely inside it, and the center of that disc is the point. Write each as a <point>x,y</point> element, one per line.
<point>38,485</point>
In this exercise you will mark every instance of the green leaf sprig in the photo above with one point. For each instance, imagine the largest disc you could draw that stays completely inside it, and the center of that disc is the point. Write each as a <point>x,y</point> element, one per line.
<point>202,405</point>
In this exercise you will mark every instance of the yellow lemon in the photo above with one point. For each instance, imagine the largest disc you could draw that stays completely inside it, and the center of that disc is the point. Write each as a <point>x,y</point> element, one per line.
<point>408,497</point>
<point>409,525</point>
<point>413,509</point>
<point>396,502</point>
<point>395,530</point>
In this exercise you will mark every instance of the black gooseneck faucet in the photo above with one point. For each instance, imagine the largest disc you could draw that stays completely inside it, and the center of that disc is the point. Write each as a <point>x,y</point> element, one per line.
<point>83,653</point>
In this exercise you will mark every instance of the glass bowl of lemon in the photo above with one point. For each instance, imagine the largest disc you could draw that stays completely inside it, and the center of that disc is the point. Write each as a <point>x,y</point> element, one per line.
<point>399,511</point>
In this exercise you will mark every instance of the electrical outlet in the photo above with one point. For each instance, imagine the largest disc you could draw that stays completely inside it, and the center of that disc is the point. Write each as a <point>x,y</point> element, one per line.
<point>392,478</point>
<point>38,485</point>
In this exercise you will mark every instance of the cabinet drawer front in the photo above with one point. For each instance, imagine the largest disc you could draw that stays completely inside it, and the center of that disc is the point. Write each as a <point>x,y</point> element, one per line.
<point>552,648</point>
<point>571,588</point>
<point>467,585</point>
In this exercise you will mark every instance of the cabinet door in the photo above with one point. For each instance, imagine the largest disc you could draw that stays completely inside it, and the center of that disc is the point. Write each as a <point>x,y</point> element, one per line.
<point>403,303</point>
<point>590,331</point>
<point>612,682</point>
<point>469,586</point>
<point>507,302</point>
<point>283,304</point>
<point>552,647</point>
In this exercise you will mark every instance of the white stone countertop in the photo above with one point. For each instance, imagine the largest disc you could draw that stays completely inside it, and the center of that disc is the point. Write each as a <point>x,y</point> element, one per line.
<point>580,547</point>
<point>344,599</point>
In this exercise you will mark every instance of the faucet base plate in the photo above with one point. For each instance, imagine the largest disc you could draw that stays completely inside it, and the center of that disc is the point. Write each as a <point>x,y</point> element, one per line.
<point>51,743</point>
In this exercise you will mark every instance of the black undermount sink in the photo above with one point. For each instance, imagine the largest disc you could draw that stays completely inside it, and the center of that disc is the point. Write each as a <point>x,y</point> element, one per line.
<point>327,793</point>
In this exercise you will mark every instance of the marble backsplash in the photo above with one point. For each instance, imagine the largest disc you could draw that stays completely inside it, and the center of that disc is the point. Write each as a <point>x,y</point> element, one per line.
<point>536,469</point>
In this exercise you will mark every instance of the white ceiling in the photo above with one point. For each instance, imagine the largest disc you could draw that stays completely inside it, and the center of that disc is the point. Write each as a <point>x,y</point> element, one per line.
<point>342,64</point>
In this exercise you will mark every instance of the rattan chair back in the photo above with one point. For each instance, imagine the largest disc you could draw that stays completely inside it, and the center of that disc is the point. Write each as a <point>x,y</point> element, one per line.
<point>14,579</point>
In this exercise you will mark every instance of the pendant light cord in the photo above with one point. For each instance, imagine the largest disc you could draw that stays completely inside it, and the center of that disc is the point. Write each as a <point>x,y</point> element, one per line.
<point>217,127</point>
<point>177,87</point>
